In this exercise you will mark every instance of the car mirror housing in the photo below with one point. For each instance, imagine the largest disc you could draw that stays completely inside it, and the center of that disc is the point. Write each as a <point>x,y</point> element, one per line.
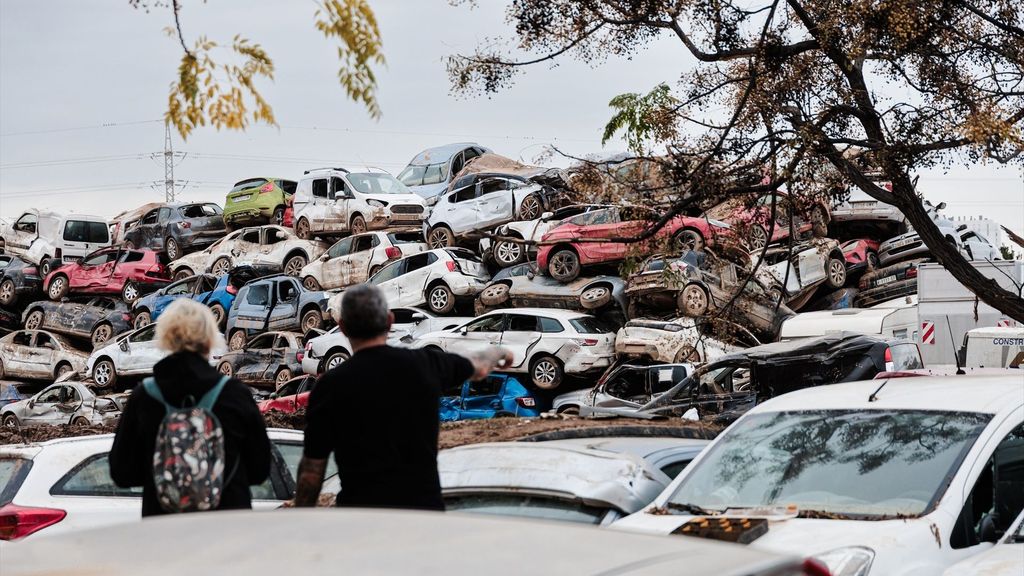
<point>463,330</point>
<point>123,345</point>
<point>418,317</point>
<point>546,215</point>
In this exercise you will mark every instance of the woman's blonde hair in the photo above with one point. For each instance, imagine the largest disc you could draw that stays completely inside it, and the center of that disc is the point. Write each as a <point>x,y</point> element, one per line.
<point>189,326</point>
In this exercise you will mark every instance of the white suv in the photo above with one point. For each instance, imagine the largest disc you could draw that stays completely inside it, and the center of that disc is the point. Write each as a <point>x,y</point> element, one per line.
<point>547,344</point>
<point>50,239</point>
<point>437,278</point>
<point>336,202</point>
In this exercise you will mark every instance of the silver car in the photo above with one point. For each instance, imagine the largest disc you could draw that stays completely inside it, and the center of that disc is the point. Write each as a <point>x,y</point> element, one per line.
<point>63,402</point>
<point>521,286</point>
<point>38,355</point>
<point>624,386</point>
<point>482,202</point>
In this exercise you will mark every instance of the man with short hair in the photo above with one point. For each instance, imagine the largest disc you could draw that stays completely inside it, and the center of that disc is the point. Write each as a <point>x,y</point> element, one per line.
<point>378,412</point>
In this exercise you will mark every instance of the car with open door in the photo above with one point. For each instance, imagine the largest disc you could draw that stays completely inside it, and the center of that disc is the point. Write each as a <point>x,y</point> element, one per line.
<point>438,278</point>
<point>65,402</point>
<point>116,271</point>
<point>624,385</point>
<point>682,339</point>
<point>753,218</point>
<point>266,361</point>
<point>277,303</point>
<point>496,396</point>
<point>798,269</point>
<point>93,318</point>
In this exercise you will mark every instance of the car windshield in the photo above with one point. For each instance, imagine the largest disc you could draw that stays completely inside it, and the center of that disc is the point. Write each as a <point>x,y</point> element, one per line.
<point>421,174</point>
<point>833,463</point>
<point>526,506</point>
<point>376,183</point>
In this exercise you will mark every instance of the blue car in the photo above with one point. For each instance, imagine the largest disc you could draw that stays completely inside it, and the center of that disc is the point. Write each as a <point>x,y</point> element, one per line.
<point>497,395</point>
<point>217,293</point>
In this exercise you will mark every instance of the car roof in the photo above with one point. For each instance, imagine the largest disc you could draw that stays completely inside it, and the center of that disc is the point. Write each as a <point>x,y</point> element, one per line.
<point>642,446</point>
<point>441,153</point>
<point>990,394</point>
<point>546,312</point>
<point>29,448</point>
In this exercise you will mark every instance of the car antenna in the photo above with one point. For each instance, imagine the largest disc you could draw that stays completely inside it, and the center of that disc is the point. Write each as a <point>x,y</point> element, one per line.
<point>956,357</point>
<point>874,395</point>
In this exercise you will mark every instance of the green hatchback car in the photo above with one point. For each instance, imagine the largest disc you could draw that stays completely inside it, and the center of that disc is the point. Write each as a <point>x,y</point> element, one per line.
<point>258,201</point>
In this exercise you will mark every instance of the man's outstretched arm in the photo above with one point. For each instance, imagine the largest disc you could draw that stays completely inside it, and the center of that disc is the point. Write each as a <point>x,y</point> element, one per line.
<point>310,480</point>
<point>486,360</point>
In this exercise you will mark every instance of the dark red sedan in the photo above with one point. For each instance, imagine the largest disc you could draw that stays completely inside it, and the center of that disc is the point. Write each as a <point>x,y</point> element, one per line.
<point>129,273</point>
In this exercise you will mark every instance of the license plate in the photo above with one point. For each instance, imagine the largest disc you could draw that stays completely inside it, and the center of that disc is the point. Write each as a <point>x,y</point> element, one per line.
<point>242,198</point>
<point>886,280</point>
<point>528,402</point>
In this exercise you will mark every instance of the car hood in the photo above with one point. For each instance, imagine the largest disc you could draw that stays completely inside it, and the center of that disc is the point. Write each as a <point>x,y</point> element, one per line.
<point>191,260</point>
<point>429,190</point>
<point>574,397</point>
<point>398,198</point>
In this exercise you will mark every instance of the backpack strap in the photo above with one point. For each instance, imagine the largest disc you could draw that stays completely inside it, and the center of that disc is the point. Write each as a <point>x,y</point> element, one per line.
<point>149,385</point>
<point>210,398</point>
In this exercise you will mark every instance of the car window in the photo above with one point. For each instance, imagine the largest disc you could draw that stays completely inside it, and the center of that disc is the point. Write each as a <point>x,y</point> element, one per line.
<point>183,287</point>
<point>70,394</point>
<point>150,217</point>
<point>43,340</point>
<point>486,324</point>
<point>593,218</point>
<point>287,185</point>
<point>22,339</point>
<point>164,214</point>
<point>261,342</point>
<point>418,261</point>
<point>199,210</point>
<point>405,237</point>
<point>589,325</point>
<point>100,258</point>
<point>246,184</point>
<point>91,477</point>
<point>522,323</point>
<point>12,474</point>
<point>252,235</point>
<point>363,243</point>
<point>291,453</point>
<point>145,335</point>
<point>273,236</point>
<point>27,223</point>
<point>341,248</point>
<point>404,315</point>
<point>258,295</point>
<point>550,325</point>
<point>489,386</point>
<point>492,185</point>
<point>526,506</point>
<point>412,175</point>
<point>281,342</point>
<point>49,396</point>
<point>105,303</point>
<point>376,183</point>
<point>320,188</point>
<point>906,356</point>
<point>389,272</point>
<point>286,291</point>
<point>674,468</point>
<point>132,256</point>
<point>435,173</point>
<point>338,188</point>
<point>458,162</point>
<point>997,496</point>
<point>467,193</point>
<point>628,383</point>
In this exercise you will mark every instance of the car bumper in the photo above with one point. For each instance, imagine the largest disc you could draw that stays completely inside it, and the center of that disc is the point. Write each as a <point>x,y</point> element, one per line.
<point>902,250</point>
<point>641,349</point>
<point>248,214</point>
<point>584,361</point>
<point>464,287</point>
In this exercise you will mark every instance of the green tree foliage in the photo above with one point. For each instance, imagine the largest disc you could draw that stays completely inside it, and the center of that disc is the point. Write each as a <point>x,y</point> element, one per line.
<point>643,119</point>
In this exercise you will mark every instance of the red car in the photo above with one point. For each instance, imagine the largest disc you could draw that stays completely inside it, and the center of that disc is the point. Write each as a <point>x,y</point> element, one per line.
<point>290,396</point>
<point>568,247</point>
<point>861,255</point>
<point>758,218</point>
<point>129,273</point>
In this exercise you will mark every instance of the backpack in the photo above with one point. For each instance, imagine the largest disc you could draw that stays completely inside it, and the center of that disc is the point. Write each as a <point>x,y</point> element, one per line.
<point>188,458</point>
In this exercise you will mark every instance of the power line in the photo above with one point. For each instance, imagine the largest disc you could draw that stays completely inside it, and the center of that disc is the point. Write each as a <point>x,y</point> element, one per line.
<point>104,125</point>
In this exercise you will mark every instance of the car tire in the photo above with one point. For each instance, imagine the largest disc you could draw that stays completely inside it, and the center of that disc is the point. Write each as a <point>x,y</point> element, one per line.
<point>546,372</point>
<point>101,334</point>
<point>237,340</point>
<point>687,354</point>
<point>172,249</point>
<point>440,299</point>
<point>104,373</point>
<point>8,292</point>
<point>494,295</point>
<point>758,237</point>
<point>220,266</point>
<point>819,222</point>
<point>62,369</point>
<point>310,320</point>
<point>692,301</point>
<point>310,283</point>
<point>564,265</point>
<point>530,208</point>
<point>835,273</point>
<point>182,273</point>
<point>11,421</point>
<point>34,321</point>
<point>357,225</point>
<point>226,369</point>
<point>81,421</point>
<point>873,262</point>
<point>334,359</point>
<point>294,265</point>
<point>596,297</point>
<point>220,315</point>
<point>130,292</point>
<point>45,267</point>
<point>507,253</point>
<point>569,410</point>
<point>302,229</point>
<point>58,287</point>
<point>283,375</point>
<point>688,239</point>
<point>440,237</point>
<point>142,319</point>
<point>277,218</point>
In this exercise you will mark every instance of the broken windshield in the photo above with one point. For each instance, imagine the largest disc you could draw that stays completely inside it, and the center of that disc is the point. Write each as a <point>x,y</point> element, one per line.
<point>869,464</point>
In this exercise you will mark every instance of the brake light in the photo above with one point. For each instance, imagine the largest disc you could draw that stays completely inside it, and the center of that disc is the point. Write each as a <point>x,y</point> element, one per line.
<point>814,567</point>
<point>586,341</point>
<point>231,289</point>
<point>18,521</point>
<point>184,224</point>
<point>299,356</point>
<point>888,354</point>
<point>912,272</point>
<point>526,402</point>
<point>452,265</point>
<point>393,252</point>
<point>268,187</point>
<point>126,317</point>
<point>156,270</point>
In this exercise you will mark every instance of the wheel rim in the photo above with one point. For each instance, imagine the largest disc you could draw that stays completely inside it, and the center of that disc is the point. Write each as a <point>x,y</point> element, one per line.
<point>294,265</point>
<point>101,375</point>
<point>690,240</point>
<point>838,272</point>
<point>438,239</point>
<point>225,369</point>
<point>101,334</point>
<point>530,208</point>
<point>172,249</point>
<point>6,291</point>
<point>237,340</point>
<point>182,274</point>
<point>336,360</point>
<point>218,313</point>
<point>758,237</point>
<point>358,225</point>
<point>564,264</point>
<point>508,252</point>
<point>142,320</point>
<point>33,321</point>
<point>56,287</point>
<point>283,376</point>
<point>302,230</point>
<point>594,294</point>
<point>130,292</point>
<point>695,300</point>
<point>544,372</point>
<point>220,267</point>
<point>494,292</point>
<point>438,298</point>
<point>311,322</point>
<point>310,283</point>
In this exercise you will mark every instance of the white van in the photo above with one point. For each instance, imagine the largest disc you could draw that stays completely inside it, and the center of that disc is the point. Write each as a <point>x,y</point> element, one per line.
<point>894,322</point>
<point>996,347</point>
<point>51,239</point>
<point>336,202</point>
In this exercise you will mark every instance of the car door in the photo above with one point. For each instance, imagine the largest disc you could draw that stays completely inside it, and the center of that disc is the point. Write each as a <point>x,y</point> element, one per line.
<point>494,202</point>
<point>270,254</point>
<point>203,288</point>
<point>96,500</point>
<point>42,409</point>
<point>23,233</point>
<point>480,333</point>
<point>70,316</point>
<point>462,212</point>
<point>414,278</point>
<point>278,357</point>
<point>41,358</point>
<point>599,224</point>
<point>253,305</point>
<point>284,313</point>
<point>245,248</point>
<point>388,280</point>
<point>15,349</point>
<point>338,207</point>
<point>316,211</point>
<point>358,261</point>
<point>141,235</point>
<point>89,313</point>
<point>156,233</point>
<point>521,334</point>
<point>254,358</point>
<point>91,269</point>
<point>336,270</point>
<point>142,351</point>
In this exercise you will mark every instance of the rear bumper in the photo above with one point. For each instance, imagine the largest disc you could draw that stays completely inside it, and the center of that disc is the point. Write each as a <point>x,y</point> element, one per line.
<point>248,214</point>
<point>466,286</point>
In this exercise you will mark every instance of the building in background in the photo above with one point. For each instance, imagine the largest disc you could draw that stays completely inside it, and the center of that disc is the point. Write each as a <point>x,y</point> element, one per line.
<point>988,229</point>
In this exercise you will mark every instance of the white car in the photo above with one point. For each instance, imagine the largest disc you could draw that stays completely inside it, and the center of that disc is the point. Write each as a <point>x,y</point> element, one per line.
<point>38,355</point>
<point>269,249</point>
<point>437,278</point>
<point>1006,558</point>
<point>354,259</point>
<point>130,354</point>
<point>334,201</point>
<point>51,240</point>
<point>675,340</point>
<point>481,203</point>
<point>61,486</point>
<point>546,344</point>
<point>63,403</point>
<point>977,246</point>
<point>884,477</point>
<point>799,269</point>
<point>508,253</point>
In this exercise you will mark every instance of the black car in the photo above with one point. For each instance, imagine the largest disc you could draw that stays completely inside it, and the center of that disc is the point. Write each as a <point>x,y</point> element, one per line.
<point>267,361</point>
<point>17,280</point>
<point>884,284</point>
<point>177,229</point>
<point>96,318</point>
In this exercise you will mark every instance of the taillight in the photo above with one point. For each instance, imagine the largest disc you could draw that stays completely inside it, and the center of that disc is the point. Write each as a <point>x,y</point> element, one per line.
<point>526,402</point>
<point>268,187</point>
<point>393,252</point>
<point>309,346</point>
<point>888,354</point>
<point>30,271</point>
<point>231,289</point>
<point>912,272</point>
<point>157,270</point>
<point>452,265</point>
<point>126,317</point>
<point>586,341</point>
<point>184,224</point>
<point>299,356</point>
<point>18,521</point>
<point>814,567</point>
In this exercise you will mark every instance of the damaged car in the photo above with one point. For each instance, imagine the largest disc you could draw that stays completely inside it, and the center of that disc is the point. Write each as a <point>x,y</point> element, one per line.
<point>797,270</point>
<point>336,202</point>
<point>129,355</point>
<point>288,397</point>
<point>546,344</point>
<point>911,245</point>
<point>354,259</point>
<point>269,249</point>
<point>888,283</point>
<point>624,385</point>
<point>64,402</point>
<point>517,241</point>
<point>177,229</point>
<point>129,273</point>
<point>438,278</point>
<point>496,396</point>
<point>19,280</point>
<point>97,319</point>
<point>275,303</point>
<point>269,359</point>
<point>429,172</point>
<point>38,355</point>
<point>520,286</point>
<point>217,293</point>
<point>861,255</point>
<point>755,219</point>
<point>258,201</point>
<point>682,339</point>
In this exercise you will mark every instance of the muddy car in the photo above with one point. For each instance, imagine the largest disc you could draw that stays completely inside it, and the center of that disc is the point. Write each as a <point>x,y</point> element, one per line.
<point>61,403</point>
<point>624,386</point>
<point>496,396</point>
<point>520,286</point>
<point>97,319</point>
<point>217,293</point>
<point>267,361</point>
<point>266,248</point>
<point>507,253</point>
<point>19,280</point>
<point>438,278</point>
<point>129,273</point>
<point>888,283</point>
<point>354,259</point>
<point>681,339</point>
<point>38,355</point>
<point>756,220</point>
<point>177,229</point>
<point>275,303</point>
<point>800,268</point>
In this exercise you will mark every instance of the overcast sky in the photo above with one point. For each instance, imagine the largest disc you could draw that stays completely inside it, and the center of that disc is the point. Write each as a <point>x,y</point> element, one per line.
<point>83,85</point>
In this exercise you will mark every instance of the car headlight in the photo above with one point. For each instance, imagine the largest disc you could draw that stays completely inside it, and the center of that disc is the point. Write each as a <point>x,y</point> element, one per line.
<point>849,561</point>
<point>376,203</point>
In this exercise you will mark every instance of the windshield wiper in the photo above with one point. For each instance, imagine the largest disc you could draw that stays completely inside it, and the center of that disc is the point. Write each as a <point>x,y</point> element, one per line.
<point>691,509</point>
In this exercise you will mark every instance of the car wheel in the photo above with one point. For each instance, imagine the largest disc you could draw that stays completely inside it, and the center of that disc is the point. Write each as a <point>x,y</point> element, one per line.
<point>689,239</point>
<point>183,273</point>
<point>11,421</point>
<point>302,229</point>
<point>237,340</point>
<point>546,372</point>
<point>564,265</point>
<point>130,292</point>
<point>819,222</point>
<point>34,320</point>
<point>278,216</point>
<point>358,225</point>
<point>596,297</point>
<point>569,410</point>
<point>494,295</point>
<point>693,301</point>
<point>836,275</point>
<point>219,314</point>
<point>81,421</point>
<point>142,319</point>
<point>335,359</point>
<point>687,354</point>
<point>62,369</point>
<point>440,237</point>
<point>226,369</point>
<point>104,374</point>
<point>873,262</point>
<point>58,287</point>
<point>758,237</point>
<point>507,253</point>
<point>440,299</point>
<point>100,335</point>
<point>8,292</point>
<point>171,248</point>
<point>310,283</point>
<point>221,266</point>
<point>45,267</point>
<point>294,265</point>
<point>312,319</point>
<point>530,208</point>
<point>283,375</point>
<point>128,245</point>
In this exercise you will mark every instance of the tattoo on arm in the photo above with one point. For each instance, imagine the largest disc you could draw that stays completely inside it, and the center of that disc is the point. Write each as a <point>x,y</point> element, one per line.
<point>309,482</point>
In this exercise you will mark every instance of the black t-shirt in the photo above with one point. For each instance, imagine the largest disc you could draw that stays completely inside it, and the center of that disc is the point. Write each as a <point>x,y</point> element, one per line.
<point>378,413</point>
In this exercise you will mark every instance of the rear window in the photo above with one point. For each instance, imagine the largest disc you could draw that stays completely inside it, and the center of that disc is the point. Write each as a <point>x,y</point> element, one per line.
<point>405,237</point>
<point>463,254</point>
<point>200,210</point>
<point>91,478</point>
<point>12,473</point>
<point>84,231</point>
<point>251,183</point>
<point>906,357</point>
<point>589,326</point>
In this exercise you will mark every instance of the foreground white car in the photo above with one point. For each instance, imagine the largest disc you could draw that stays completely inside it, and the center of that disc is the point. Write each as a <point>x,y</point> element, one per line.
<point>546,344</point>
<point>881,477</point>
<point>437,278</point>
<point>1006,558</point>
<point>267,248</point>
<point>354,259</point>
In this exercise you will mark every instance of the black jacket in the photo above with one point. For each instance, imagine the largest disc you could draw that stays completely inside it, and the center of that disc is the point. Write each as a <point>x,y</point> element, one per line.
<point>245,434</point>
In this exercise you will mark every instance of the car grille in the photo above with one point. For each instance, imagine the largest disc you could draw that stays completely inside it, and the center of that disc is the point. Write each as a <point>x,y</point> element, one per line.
<point>407,209</point>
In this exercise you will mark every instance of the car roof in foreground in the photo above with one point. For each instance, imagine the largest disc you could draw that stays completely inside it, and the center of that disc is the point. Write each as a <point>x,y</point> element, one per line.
<point>642,446</point>
<point>32,447</point>
<point>981,393</point>
<point>375,542</point>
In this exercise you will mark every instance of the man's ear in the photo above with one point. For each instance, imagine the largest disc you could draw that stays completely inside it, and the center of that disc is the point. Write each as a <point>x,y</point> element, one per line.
<point>391,319</point>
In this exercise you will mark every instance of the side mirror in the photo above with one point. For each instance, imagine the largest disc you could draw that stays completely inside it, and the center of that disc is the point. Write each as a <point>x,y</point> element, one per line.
<point>123,345</point>
<point>546,215</point>
<point>31,403</point>
<point>325,257</point>
<point>940,206</point>
<point>463,330</point>
<point>418,317</point>
<point>531,275</point>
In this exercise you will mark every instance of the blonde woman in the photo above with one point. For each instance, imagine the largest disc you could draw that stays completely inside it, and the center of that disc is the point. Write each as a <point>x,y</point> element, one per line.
<point>188,331</point>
